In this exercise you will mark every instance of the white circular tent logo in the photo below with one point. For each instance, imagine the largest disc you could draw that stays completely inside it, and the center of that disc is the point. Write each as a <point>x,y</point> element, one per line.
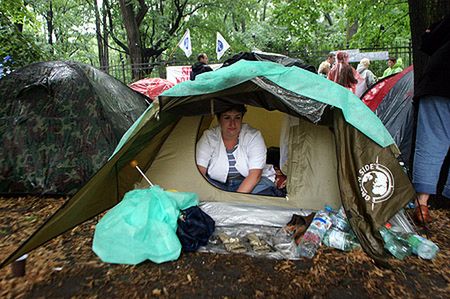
<point>376,182</point>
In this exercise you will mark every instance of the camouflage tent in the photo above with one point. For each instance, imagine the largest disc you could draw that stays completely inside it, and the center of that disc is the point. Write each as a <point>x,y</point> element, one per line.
<point>59,123</point>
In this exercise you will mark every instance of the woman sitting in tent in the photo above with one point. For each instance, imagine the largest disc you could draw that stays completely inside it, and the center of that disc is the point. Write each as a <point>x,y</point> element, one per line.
<point>232,156</point>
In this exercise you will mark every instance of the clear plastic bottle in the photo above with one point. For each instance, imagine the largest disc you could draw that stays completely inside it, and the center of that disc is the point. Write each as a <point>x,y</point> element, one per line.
<point>340,240</point>
<point>395,245</point>
<point>313,236</point>
<point>420,246</point>
<point>338,218</point>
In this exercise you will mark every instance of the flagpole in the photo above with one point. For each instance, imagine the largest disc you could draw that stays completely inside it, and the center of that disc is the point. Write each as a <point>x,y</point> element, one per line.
<point>175,48</point>
<point>171,54</point>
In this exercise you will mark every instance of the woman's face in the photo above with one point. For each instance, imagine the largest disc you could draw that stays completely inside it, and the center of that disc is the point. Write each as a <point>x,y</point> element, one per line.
<point>230,124</point>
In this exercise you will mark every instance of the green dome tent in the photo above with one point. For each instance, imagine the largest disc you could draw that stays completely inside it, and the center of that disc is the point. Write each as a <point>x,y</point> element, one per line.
<point>338,151</point>
<point>59,122</point>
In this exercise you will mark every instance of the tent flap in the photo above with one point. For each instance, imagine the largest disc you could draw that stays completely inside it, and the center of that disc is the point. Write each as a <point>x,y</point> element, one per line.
<point>372,184</point>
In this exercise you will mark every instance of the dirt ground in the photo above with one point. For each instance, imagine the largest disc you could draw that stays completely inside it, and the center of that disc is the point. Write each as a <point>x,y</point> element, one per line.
<point>66,267</point>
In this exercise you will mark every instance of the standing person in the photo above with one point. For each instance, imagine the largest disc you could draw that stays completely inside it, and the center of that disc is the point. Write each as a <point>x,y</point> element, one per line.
<point>368,78</point>
<point>343,73</point>
<point>201,66</point>
<point>433,123</point>
<point>326,65</point>
<point>232,155</point>
<point>394,66</point>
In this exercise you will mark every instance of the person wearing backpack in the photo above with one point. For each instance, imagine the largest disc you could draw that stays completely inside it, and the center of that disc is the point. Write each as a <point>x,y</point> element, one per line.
<point>368,78</point>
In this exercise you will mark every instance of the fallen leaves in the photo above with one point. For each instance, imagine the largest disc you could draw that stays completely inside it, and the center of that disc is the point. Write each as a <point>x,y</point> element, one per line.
<point>331,273</point>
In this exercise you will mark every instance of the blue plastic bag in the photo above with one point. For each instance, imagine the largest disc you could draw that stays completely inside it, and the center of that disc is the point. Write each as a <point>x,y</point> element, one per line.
<point>142,226</point>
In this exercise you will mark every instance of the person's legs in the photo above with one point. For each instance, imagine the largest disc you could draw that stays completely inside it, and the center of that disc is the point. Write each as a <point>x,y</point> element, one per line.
<point>432,145</point>
<point>217,184</point>
<point>264,187</point>
<point>234,184</point>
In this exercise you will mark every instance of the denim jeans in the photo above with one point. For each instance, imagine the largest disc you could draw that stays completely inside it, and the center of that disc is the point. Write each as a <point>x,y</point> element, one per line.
<point>264,186</point>
<point>432,144</point>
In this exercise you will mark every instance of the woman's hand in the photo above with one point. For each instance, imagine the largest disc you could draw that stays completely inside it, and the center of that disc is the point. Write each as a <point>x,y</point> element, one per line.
<point>247,185</point>
<point>202,170</point>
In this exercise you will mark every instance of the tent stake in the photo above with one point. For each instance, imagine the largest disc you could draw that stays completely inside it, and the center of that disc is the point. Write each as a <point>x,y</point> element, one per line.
<point>134,163</point>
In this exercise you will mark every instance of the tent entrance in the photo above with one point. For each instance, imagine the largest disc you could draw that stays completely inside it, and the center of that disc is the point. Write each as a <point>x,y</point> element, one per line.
<point>312,174</point>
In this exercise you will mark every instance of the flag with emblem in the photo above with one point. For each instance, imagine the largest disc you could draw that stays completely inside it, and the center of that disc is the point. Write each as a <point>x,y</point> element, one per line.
<point>185,43</point>
<point>221,46</point>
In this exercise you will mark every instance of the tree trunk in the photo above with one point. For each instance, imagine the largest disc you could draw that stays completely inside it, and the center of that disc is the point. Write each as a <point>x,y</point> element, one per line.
<point>105,35</point>
<point>351,30</point>
<point>98,30</point>
<point>422,14</point>
<point>133,38</point>
<point>263,17</point>
<point>50,23</point>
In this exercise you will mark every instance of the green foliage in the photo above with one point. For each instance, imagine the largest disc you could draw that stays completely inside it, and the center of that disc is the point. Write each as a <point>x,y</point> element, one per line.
<point>20,45</point>
<point>17,13</point>
<point>73,35</point>
<point>280,26</point>
<point>325,24</point>
<point>380,22</point>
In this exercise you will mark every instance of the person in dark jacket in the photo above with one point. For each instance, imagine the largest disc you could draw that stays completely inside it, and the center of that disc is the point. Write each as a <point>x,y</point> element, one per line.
<point>201,66</point>
<point>433,123</point>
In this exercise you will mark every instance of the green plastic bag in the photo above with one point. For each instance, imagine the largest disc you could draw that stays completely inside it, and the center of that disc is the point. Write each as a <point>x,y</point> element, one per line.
<point>142,226</point>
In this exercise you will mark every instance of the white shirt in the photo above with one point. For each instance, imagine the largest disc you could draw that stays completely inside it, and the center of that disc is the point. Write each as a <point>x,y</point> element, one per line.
<point>250,154</point>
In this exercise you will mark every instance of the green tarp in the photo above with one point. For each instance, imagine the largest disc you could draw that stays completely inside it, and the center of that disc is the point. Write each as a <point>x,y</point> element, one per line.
<point>297,80</point>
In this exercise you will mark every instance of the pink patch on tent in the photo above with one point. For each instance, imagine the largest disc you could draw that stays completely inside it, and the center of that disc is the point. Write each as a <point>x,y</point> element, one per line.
<point>151,87</point>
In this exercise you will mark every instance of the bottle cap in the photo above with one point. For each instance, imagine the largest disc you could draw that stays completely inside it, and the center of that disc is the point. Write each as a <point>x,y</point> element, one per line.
<point>328,208</point>
<point>388,225</point>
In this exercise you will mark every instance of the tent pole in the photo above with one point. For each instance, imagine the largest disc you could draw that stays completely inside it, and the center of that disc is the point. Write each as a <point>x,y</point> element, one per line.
<point>134,163</point>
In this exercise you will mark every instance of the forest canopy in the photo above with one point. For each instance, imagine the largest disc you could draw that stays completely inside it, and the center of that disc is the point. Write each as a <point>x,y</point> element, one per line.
<point>105,32</point>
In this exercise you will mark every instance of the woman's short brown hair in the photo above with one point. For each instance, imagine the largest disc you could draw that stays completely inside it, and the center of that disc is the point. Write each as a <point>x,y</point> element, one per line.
<point>236,107</point>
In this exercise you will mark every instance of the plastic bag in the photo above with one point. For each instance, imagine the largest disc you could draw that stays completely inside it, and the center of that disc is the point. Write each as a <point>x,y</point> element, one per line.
<point>194,228</point>
<point>142,226</point>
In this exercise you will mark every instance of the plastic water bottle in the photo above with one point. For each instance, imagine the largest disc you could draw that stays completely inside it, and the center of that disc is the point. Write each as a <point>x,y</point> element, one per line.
<point>338,219</point>
<point>313,236</point>
<point>420,246</point>
<point>396,246</point>
<point>340,240</point>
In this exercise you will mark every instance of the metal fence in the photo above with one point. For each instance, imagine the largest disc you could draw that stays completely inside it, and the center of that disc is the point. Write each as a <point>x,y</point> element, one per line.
<point>122,71</point>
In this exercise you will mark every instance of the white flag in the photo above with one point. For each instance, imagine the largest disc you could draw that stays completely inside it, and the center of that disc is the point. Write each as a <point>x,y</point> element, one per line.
<point>185,43</point>
<point>221,46</point>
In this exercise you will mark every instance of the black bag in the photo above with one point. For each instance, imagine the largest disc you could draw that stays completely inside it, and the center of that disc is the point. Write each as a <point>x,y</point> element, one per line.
<point>194,228</point>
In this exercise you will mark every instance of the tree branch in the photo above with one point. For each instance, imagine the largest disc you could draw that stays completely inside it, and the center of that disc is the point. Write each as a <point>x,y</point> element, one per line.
<point>195,9</point>
<point>395,21</point>
<point>111,32</point>
<point>143,9</point>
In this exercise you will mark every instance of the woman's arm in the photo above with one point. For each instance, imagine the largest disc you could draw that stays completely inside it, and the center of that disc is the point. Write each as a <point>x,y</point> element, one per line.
<point>247,185</point>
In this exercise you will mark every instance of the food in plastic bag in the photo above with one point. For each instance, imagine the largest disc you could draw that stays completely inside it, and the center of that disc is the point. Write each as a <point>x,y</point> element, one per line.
<point>232,244</point>
<point>142,226</point>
